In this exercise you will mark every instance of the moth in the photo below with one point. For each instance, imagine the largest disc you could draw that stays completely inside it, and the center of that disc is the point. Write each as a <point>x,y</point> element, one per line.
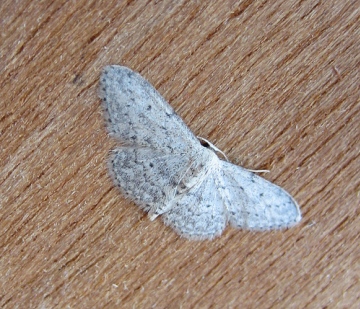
<point>164,168</point>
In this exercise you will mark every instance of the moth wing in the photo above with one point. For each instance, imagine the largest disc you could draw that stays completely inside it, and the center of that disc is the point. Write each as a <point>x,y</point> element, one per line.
<point>199,213</point>
<point>148,177</point>
<point>139,116</point>
<point>255,203</point>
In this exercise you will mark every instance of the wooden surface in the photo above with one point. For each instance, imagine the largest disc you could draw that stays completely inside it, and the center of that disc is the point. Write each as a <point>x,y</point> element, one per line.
<point>274,84</point>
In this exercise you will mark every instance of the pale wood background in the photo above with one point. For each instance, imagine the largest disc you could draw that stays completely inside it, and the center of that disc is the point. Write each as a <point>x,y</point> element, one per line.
<point>274,84</point>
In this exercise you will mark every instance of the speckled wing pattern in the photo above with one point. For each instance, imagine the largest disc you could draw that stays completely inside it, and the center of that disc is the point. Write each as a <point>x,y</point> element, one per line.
<point>137,115</point>
<point>255,203</point>
<point>164,169</point>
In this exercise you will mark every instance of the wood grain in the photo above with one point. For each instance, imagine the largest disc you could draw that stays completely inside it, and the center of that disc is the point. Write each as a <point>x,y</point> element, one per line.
<point>274,84</point>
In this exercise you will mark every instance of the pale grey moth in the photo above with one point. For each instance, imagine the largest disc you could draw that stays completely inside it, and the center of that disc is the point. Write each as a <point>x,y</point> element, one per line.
<point>165,170</point>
